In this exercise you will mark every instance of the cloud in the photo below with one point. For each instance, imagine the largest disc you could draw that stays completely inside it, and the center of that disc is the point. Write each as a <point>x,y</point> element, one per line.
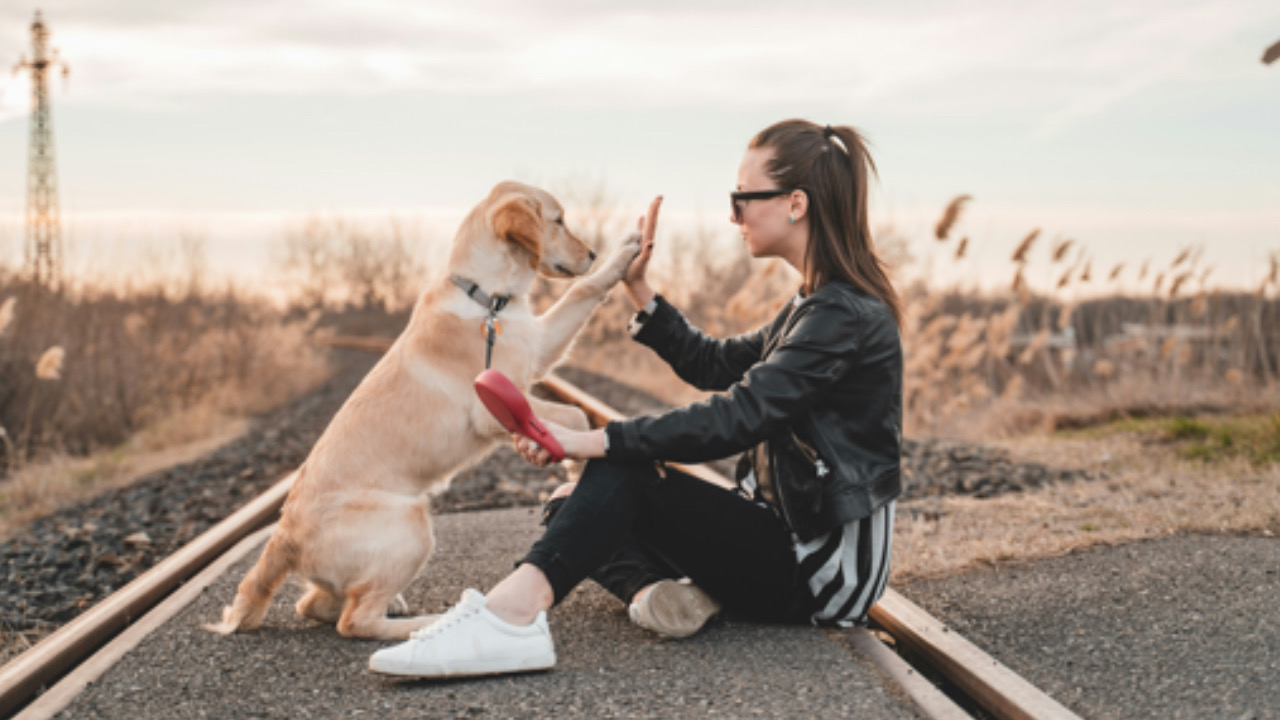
<point>1045,66</point>
<point>1126,59</point>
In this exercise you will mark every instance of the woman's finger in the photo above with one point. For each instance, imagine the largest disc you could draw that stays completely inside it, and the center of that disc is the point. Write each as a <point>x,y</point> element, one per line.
<point>651,219</point>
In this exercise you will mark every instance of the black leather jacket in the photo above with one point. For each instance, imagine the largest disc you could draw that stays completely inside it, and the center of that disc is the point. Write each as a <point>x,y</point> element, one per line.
<point>828,369</point>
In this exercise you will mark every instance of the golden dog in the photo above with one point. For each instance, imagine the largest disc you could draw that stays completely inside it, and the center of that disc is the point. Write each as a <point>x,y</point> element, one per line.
<point>356,525</point>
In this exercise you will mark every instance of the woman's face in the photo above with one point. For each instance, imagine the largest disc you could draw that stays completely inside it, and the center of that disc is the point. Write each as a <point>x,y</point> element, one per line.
<point>764,223</point>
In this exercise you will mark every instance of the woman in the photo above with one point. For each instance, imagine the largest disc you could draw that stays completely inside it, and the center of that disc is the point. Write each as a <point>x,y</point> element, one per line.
<point>814,399</point>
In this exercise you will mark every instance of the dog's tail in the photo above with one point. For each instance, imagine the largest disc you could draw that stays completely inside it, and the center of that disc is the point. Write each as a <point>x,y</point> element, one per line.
<point>253,598</point>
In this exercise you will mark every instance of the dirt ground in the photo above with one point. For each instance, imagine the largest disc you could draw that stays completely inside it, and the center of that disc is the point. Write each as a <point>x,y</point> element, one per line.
<point>1148,491</point>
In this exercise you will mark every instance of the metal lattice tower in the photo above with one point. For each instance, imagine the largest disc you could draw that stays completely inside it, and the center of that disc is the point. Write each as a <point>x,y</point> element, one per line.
<point>44,241</point>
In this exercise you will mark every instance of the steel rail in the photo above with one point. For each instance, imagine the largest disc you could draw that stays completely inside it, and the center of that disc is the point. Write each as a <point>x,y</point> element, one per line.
<point>998,689</point>
<point>43,663</point>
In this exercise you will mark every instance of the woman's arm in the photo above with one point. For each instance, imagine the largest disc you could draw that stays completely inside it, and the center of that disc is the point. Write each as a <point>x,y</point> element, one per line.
<point>706,363</point>
<point>820,348</point>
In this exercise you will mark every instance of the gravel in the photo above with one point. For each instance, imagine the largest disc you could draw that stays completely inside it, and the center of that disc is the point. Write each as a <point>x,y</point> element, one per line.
<point>69,560</point>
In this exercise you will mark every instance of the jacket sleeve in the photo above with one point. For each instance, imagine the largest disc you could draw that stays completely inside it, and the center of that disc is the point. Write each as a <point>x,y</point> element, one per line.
<point>821,346</point>
<point>704,362</point>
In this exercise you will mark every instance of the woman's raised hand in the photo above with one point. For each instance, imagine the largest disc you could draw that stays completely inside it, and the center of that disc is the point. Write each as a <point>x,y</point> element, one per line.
<point>634,279</point>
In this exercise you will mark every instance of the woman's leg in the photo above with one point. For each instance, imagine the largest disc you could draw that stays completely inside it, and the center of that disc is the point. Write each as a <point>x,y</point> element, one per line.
<point>630,570</point>
<point>737,551</point>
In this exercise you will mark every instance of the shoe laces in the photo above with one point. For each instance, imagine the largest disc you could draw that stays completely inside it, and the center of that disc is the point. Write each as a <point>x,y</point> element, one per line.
<point>452,616</point>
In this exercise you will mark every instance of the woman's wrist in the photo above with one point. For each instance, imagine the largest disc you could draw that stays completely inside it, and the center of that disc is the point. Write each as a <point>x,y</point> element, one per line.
<point>640,293</point>
<point>591,444</point>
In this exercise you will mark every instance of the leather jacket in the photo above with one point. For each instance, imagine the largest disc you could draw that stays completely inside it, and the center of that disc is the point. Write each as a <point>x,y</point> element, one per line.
<point>827,370</point>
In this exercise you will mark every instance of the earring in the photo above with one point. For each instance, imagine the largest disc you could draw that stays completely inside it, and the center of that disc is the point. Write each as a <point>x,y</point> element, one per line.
<point>791,220</point>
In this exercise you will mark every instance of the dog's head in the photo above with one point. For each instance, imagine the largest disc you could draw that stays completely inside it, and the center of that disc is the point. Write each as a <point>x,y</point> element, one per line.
<point>533,220</point>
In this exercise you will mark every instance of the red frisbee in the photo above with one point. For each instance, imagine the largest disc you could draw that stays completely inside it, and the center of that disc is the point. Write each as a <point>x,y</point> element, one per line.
<point>510,407</point>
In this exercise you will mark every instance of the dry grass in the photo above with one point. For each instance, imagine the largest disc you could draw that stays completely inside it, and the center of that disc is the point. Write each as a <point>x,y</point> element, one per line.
<point>90,367</point>
<point>1150,491</point>
<point>100,384</point>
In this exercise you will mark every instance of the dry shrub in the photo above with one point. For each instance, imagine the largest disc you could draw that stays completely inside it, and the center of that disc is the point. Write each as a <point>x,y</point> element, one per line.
<point>90,366</point>
<point>333,262</point>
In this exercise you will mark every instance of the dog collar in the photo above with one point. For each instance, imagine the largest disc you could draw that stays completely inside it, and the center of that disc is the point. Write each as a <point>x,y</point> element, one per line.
<point>492,303</point>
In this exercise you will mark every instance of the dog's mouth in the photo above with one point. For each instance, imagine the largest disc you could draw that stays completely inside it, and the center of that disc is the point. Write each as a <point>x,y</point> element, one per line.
<point>563,270</point>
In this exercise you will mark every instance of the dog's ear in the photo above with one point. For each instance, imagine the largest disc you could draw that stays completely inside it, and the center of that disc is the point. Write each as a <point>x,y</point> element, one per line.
<point>517,217</point>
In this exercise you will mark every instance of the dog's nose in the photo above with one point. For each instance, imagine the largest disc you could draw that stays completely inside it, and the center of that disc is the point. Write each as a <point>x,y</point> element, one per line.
<point>591,255</point>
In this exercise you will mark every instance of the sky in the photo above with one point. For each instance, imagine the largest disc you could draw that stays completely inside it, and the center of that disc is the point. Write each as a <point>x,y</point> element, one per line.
<point>1135,127</point>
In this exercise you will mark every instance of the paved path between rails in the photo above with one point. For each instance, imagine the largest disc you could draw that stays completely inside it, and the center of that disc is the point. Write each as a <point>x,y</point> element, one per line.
<point>1180,627</point>
<point>292,668</point>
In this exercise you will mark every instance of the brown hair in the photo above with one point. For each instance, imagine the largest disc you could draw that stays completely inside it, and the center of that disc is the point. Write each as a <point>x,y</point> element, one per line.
<point>832,166</point>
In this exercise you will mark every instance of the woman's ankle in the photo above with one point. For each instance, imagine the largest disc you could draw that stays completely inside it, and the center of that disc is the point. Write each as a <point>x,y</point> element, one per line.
<point>520,596</point>
<point>641,592</point>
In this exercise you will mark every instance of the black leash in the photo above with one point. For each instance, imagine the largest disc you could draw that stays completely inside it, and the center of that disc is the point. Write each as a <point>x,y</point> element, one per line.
<point>492,303</point>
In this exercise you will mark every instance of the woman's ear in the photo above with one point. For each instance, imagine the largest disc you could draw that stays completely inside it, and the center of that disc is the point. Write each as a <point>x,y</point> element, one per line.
<point>517,218</point>
<point>799,205</point>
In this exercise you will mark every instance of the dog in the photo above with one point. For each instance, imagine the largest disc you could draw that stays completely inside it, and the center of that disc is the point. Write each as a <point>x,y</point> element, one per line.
<point>356,525</point>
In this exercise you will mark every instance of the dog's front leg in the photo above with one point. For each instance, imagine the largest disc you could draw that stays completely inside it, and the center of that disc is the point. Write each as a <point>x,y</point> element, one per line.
<point>562,321</point>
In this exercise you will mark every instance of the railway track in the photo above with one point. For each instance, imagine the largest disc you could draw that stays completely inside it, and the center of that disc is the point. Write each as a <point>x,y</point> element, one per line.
<point>45,678</point>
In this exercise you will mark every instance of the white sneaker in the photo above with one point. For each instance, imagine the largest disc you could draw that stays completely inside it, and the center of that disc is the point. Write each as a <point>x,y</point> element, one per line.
<point>469,640</point>
<point>673,608</point>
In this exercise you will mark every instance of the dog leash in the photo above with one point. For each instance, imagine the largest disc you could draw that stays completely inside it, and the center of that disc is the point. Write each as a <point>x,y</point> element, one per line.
<point>492,303</point>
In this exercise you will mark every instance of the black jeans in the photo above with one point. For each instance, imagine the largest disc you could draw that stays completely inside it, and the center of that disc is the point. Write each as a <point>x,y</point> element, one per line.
<point>626,526</point>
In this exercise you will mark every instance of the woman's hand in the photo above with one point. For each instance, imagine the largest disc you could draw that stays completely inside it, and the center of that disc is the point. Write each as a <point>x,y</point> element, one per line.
<point>634,279</point>
<point>578,445</point>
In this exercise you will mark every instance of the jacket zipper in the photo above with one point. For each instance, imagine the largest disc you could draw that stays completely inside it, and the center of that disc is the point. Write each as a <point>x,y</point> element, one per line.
<point>779,486</point>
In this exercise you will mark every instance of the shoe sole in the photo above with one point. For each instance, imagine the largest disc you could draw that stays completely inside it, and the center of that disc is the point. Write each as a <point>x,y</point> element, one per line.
<point>677,610</point>
<point>474,668</point>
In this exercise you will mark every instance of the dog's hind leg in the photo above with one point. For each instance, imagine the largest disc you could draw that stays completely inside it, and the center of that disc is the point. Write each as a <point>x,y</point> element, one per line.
<point>397,531</point>
<point>365,616</point>
<point>319,604</point>
<point>253,597</point>
<point>398,607</point>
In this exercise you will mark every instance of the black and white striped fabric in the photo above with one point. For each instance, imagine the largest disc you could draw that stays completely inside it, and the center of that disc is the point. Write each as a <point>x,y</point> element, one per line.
<point>847,570</point>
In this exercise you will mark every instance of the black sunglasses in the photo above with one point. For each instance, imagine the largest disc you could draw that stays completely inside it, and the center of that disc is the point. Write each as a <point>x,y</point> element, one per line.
<point>738,200</point>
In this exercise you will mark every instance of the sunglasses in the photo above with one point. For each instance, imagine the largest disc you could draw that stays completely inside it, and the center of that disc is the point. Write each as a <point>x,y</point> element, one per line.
<point>738,200</point>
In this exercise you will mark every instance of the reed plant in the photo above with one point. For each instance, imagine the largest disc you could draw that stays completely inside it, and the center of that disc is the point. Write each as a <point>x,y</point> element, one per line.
<point>1082,346</point>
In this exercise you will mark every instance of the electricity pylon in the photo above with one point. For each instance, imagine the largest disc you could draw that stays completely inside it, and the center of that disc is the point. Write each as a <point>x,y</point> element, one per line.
<point>44,242</point>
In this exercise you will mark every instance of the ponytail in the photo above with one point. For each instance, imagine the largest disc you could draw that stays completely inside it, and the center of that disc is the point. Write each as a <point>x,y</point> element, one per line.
<point>832,166</point>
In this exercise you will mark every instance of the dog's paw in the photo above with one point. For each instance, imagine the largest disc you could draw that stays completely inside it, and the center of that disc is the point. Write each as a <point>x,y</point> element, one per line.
<point>613,268</point>
<point>398,607</point>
